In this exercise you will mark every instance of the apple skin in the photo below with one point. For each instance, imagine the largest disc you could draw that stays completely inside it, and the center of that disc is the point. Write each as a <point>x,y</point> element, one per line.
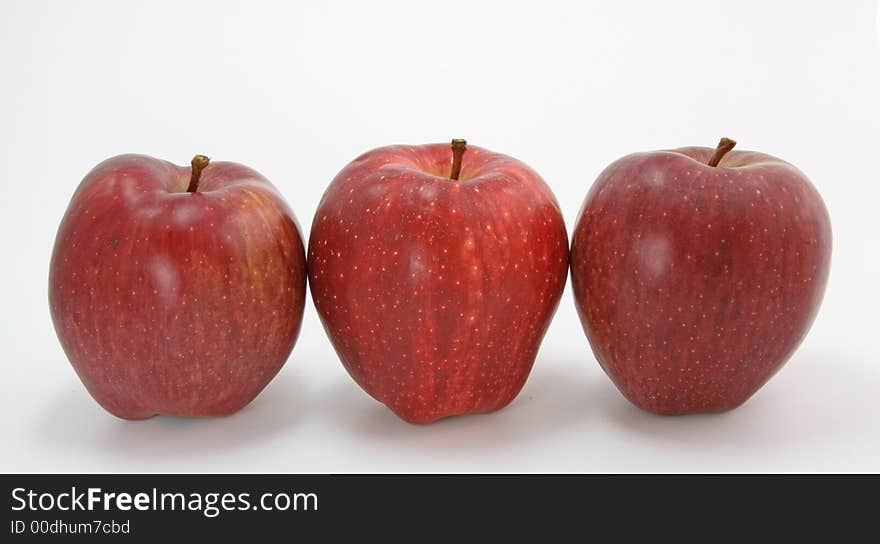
<point>176,303</point>
<point>695,284</point>
<point>436,293</point>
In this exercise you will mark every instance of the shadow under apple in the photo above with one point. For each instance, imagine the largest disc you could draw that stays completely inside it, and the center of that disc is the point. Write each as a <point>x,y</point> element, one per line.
<point>73,421</point>
<point>818,403</point>
<point>558,397</point>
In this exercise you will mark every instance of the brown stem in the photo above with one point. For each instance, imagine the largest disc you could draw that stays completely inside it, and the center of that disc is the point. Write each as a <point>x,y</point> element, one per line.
<point>725,145</point>
<point>458,147</point>
<point>199,163</point>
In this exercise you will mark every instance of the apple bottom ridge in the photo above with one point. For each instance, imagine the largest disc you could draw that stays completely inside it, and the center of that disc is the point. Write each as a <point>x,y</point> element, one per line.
<point>174,408</point>
<point>671,410</point>
<point>199,414</point>
<point>418,419</point>
<point>683,403</point>
<point>433,410</point>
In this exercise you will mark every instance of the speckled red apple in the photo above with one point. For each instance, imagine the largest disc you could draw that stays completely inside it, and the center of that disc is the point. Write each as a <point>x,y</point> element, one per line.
<point>176,290</point>
<point>698,272</point>
<point>436,277</point>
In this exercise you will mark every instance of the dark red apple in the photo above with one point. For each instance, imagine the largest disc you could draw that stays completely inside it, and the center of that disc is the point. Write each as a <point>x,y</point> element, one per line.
<point>176,290</point>
<point>435,277</point>
<point>698,272</point>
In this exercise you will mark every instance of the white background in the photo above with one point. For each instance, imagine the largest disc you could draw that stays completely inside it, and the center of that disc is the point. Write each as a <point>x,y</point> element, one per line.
<point>296,90</point>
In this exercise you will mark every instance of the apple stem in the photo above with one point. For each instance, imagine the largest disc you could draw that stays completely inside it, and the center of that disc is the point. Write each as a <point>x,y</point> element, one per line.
<point>199,163</point>
<point>458,147</point>
<point>725,145</point>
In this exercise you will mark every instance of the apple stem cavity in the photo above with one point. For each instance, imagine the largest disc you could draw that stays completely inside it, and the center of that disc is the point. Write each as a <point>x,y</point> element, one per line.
<point>198,163</point>
<point>725,145</point>
<point>458,148</point>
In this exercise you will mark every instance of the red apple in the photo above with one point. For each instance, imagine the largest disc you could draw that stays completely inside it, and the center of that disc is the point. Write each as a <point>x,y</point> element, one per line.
<point>695,279</point>
<point>176,290</point>
<point>436,278</point>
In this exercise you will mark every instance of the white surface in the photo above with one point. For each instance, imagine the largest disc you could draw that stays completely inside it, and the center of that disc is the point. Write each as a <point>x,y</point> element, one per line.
<point>296,91</point>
